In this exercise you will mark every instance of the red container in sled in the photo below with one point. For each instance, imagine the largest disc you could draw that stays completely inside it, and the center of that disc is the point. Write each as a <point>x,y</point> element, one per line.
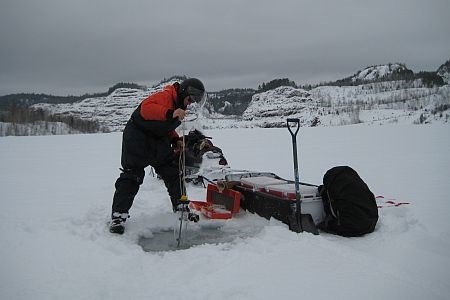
<point>219,204</point>
<point>211,211</point>
<point>230,199</point>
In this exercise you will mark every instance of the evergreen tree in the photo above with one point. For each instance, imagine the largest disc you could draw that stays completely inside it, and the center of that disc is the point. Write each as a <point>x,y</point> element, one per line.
<point>276,83</point>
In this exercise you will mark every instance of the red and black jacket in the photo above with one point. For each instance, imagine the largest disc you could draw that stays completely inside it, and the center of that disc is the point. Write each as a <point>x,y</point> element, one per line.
<point>154,114</point>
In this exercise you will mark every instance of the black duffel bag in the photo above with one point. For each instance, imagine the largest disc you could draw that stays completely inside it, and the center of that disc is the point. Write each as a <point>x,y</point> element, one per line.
<point>350,206</point>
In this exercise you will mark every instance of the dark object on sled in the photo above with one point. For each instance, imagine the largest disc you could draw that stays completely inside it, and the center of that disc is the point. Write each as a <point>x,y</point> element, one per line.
<point>198,144</point>
<point>350,206</point>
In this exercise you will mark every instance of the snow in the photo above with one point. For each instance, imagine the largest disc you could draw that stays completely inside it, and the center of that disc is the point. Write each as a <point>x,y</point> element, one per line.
<point>56,196</point>
<point>376,72</point>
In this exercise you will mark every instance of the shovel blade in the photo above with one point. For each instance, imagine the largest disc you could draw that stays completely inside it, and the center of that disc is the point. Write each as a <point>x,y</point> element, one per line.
<point>303,222</point>
<point>308,225</point>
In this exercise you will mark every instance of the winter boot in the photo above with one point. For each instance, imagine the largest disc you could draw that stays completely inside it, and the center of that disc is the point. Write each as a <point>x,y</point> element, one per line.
<point>117,222</point>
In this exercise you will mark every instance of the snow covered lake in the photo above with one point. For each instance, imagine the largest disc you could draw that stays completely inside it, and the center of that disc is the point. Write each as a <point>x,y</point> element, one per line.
<point>56,194</point>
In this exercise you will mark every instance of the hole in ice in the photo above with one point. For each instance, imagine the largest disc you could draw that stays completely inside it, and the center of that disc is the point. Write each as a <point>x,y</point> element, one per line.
<point>194,235</point>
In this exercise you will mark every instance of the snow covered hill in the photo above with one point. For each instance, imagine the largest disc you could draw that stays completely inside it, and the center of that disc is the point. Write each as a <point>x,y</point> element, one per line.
<point>444,71</point>
<point>384,102</point>
<point>56,194</point>
<point>380,72</point>
<point>271,108</point>
<point>112,111</point>
<point>373,103</point>
<point>375,100</point>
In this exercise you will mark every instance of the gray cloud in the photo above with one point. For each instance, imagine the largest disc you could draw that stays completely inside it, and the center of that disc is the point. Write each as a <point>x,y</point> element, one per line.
<point>73,47</point>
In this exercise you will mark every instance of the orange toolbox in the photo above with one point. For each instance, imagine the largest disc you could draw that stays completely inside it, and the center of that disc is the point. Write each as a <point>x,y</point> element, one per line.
<point>219,204</point>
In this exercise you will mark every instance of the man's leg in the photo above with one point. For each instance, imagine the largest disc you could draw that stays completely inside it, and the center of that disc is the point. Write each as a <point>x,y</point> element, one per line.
<point>127,186</point>
<point>170,173</point>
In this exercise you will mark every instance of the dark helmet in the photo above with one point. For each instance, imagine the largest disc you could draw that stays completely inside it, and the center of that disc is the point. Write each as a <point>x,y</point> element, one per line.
<point>192,87</point>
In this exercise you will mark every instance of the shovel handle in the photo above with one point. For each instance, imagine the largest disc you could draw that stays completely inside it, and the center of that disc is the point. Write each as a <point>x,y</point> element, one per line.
<point>291,121</point>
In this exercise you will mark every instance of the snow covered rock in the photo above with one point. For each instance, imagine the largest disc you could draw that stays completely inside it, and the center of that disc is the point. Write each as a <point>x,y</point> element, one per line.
<point>380,71</point>
<point>444,71</point>
<point>270,109</point>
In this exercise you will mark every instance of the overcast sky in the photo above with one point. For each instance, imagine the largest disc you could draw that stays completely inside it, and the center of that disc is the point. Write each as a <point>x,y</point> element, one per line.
<point>74,47</point>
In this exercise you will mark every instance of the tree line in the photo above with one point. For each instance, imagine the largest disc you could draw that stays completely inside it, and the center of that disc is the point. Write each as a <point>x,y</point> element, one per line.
<point>273,84</point>
<point>25,115</point>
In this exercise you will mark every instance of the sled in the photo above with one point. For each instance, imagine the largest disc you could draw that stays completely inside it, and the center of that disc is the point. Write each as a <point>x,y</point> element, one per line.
<point>278,201</point>
<point>263,193</point>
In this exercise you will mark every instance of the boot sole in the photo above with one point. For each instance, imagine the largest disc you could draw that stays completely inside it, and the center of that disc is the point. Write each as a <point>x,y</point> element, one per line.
<point>117,229</point>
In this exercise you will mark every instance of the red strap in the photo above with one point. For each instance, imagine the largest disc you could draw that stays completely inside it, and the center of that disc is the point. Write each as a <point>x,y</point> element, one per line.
<point>390,202</point>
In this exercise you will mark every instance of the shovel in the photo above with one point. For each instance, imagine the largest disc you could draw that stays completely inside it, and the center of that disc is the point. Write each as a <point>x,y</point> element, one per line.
<point>298,222</point>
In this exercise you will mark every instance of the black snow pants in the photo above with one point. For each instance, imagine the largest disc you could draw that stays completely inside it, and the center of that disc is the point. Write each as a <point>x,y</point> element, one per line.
<point>140,150</point>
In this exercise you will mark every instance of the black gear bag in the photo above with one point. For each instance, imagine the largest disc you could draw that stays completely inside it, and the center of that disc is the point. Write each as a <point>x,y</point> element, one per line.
<point>350,206</point>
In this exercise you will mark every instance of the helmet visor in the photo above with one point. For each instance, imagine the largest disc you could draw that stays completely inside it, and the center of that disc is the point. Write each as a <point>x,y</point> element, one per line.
<point>195,94</point>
